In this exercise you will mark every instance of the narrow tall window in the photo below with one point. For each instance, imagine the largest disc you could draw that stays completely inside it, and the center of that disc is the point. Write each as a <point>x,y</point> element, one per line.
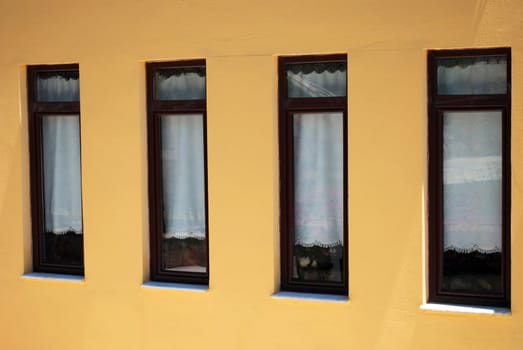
<point>56,185</point>
<point>469,176</point>
<point>176,122</point>
<point>313,173</point>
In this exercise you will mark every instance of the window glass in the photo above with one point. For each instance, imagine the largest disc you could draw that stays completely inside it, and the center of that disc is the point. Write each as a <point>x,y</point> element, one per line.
<point>472,75</point>
<point>183,183</point>
<point>185,83</point>
<point>62,189</point>
<point>318,196</point>
<point>325,79</point>
<point>472,201</point>
<point>61,86</point>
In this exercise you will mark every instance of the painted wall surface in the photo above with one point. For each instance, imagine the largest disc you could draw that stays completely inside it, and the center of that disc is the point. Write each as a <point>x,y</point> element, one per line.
<point>386,43</point>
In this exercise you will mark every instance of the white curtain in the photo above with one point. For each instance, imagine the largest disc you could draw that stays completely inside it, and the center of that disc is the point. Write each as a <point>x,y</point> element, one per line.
<point>183,175</point>
<point>318,179</point>
<point>62,173</point>
<point>180,86</point>
<point>465,76</point>
<point>472,172</point>
<point>58,88</point>
<point>316,84</point>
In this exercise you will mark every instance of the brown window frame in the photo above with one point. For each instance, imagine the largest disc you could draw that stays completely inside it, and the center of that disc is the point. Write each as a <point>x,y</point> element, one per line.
<point>154,108</point>
<point>37,110</point>
<point>287,106</point>
<point>437,104</point>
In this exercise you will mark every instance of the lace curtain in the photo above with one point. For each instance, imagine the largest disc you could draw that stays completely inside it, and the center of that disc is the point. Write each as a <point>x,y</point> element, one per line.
<point>183,175</point>
<point>62,174</point>
<point>52,87</point>
<point>180,84</point>
<point>318,179</point>
<point>317,79</point>
<point>318,155</point>
<point>472,75</point>
<point>472,169</point>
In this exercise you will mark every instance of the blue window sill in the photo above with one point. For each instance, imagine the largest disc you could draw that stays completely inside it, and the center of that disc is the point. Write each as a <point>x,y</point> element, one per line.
<point>311,297</point>
<point>52,277</point>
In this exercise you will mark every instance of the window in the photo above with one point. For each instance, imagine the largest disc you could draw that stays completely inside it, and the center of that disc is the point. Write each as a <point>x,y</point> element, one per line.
<point>469,176</point>
<point>56,184</point>
<point>176,123</point>
<point>313,173</point>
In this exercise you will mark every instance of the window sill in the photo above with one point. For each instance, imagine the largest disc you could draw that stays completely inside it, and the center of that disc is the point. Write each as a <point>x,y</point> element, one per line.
<point>466,309</point>
<point>311,297</point>
<point>52,277</point>
<point>176,286</point>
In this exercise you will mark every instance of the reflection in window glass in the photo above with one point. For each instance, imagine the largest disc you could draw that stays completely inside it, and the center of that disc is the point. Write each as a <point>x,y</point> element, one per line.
<point>472,205</point>
<point>327,79</point>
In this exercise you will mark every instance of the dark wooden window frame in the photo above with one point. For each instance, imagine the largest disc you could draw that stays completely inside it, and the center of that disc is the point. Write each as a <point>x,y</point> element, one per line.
<point>438,104</point>
<point>287,107</point>
<point>154,109</point>
<point>37,110</point>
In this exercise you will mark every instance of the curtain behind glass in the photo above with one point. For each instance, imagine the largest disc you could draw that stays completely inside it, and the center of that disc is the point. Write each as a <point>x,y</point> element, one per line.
<point>180,84</point>
<point>472,202</point>
<point>62,173</point>
<point>58,87</point>
<point>472,172</point>
<point>317,79</point>
<point>472,76</point>
<point>183,176</point>
<point>318,179</point>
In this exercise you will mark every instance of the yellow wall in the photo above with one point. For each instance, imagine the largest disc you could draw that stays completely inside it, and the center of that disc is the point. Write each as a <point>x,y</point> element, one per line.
<point>386,42</point>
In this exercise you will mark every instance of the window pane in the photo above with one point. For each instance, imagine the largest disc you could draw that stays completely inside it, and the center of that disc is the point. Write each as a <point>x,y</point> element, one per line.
<point>472,197</point>
<point>58,86</point>
<point>62,189</point>
<point>472,75</point>
<point>318,196</point>
<point>327,79</point>
<point>180,84</point>
<point>184,246</point>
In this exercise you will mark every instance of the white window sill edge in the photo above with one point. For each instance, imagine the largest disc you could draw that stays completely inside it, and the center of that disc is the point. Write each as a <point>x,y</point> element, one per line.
<point>52,276</point>
<point>311,297</point>
<point>175,286</point>
<point>466,309</point>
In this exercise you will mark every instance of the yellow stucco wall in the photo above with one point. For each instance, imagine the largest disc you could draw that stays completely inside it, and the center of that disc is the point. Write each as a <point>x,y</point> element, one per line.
<point>386,43</point>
